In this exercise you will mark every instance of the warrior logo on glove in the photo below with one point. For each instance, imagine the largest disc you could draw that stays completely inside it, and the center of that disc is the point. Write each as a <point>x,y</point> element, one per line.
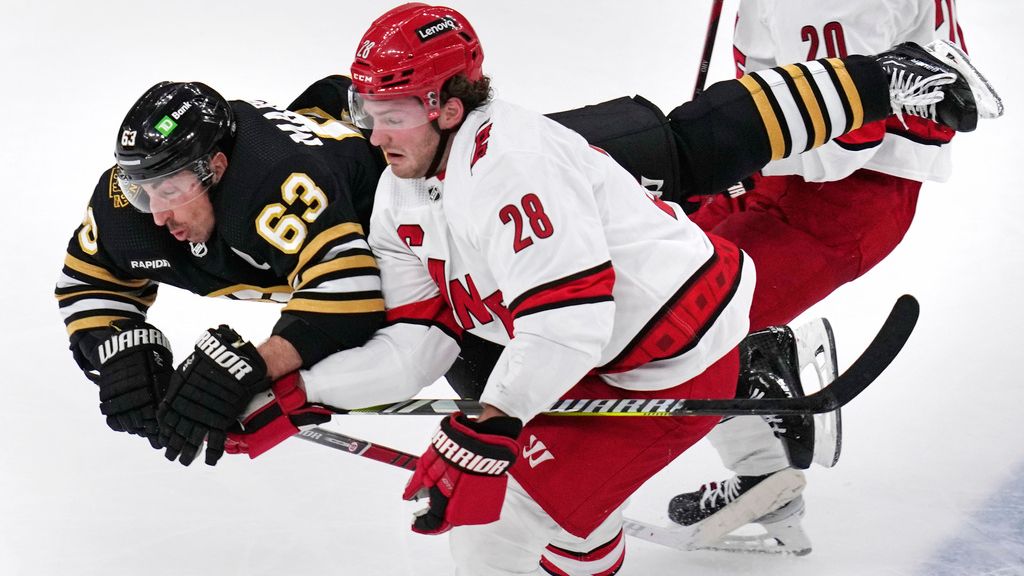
<point>225,358</point>
<point>208,393</point>
<point>135,366</point>
<point>464,472</point>
<point>466,459</point>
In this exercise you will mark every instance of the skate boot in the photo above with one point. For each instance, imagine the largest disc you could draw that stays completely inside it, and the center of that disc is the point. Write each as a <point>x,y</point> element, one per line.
<point>939,83</point>
<point>770,368</point>
<point>718,508</point>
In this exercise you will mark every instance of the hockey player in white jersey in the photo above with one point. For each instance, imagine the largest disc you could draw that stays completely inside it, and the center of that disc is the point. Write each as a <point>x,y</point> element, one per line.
<point>517,227</point>
<point>842,207</point>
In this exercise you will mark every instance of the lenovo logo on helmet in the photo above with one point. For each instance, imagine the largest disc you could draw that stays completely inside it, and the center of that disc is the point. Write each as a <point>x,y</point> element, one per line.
<point>446,24</point>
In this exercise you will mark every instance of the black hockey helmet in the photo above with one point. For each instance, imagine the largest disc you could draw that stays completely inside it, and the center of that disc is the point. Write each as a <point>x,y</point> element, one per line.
<point>173,125</point>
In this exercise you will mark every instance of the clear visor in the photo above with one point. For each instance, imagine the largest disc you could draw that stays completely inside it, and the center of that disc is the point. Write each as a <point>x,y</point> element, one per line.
<point>370,111</point>
<point>168,191</point>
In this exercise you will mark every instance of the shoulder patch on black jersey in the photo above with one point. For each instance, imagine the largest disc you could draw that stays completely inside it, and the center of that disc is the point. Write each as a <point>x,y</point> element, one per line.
<point>116,195</point>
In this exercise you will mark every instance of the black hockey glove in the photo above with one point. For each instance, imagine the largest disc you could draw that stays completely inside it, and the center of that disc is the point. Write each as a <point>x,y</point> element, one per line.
<point>135,367</point>
<point>208,393</point>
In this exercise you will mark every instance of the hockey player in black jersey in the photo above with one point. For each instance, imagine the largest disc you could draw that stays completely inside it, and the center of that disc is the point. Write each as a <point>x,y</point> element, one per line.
<point>248,201</point>
<point>236,199</point>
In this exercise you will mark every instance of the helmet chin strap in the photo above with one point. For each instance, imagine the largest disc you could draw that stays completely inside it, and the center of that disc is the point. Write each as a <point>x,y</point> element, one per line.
<point>442,145</point>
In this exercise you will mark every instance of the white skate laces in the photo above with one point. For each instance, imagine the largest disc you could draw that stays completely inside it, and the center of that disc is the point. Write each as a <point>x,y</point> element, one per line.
<point>776,423</point>
<point>726,491</point>
<point>913,95</point>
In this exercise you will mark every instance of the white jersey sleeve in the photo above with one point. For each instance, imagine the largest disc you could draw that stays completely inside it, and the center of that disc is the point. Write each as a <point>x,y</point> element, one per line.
<point>416,347</point>
<point>775,32</point>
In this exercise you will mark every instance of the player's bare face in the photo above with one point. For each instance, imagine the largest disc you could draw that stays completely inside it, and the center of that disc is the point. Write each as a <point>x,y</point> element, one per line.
<point>401,129</point>
<point>182,204</point>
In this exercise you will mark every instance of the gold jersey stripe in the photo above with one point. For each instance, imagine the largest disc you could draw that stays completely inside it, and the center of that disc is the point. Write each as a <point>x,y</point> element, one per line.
<point>850,89</point>
<point>317,113</point>
<point>321,240</point>
<point>771,123</point>
<point>335,306</point>
<point>344,263</point>
<point>147,301</point>
<point>100,273</point>
<point>92,322</point>
<point>240,287</point>
<point>803,86</point>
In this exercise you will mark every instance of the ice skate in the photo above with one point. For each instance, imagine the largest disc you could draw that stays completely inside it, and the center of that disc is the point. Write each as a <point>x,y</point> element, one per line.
<point>718,508</point>
<point>938,82</point>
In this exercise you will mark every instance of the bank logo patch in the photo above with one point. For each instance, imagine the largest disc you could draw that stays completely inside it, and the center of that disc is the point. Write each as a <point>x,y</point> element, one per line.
<point>165,126</point>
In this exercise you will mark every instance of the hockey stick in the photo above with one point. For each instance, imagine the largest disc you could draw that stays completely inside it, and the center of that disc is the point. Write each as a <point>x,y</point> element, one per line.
<point>363,448</point>
<point>872,362</point>
<point>709,46</point>
<point>678,538</point>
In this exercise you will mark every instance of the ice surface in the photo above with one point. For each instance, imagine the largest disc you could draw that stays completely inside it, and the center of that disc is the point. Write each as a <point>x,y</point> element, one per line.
<point>930,479</point>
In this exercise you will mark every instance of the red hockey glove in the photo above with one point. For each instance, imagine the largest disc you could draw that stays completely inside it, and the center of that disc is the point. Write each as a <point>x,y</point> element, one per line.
<point>273,416</point>
<point>464,472</point>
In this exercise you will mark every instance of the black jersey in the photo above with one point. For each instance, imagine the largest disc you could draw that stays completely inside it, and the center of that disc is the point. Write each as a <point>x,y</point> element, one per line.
<point>291,213</point>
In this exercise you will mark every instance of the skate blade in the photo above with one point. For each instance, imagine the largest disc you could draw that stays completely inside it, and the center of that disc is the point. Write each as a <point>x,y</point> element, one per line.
<point>682,538</point>
<point>755,544</point>
<point>816,355</point>
<point>989,103</point>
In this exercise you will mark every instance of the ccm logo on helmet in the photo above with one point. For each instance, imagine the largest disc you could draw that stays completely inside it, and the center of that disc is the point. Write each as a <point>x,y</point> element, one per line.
<point>446,24</point>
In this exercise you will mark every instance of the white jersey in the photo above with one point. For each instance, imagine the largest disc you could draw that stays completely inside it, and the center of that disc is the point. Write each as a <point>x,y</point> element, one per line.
<point>773,32</point>
<point>534,240</point>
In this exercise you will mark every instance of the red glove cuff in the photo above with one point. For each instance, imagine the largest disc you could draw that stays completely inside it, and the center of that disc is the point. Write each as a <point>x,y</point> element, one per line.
<point>285,409</point>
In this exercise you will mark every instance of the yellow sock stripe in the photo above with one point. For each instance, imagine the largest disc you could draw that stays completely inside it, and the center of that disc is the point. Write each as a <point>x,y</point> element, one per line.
<point>850,89</point>
<point>335,306</point>
<point>314,245</point>
<point>771,123</point>
<point>803,86</point>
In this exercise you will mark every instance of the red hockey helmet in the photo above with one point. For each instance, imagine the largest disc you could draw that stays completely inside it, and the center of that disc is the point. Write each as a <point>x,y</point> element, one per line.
<point>411,51</point>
